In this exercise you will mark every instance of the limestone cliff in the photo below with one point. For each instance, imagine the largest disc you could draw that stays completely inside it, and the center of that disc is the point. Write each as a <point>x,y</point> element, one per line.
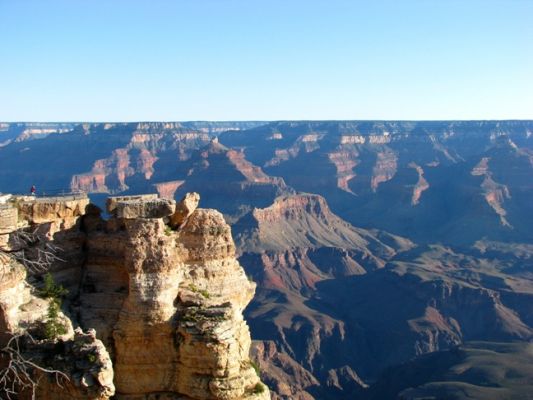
<point>162,306</point>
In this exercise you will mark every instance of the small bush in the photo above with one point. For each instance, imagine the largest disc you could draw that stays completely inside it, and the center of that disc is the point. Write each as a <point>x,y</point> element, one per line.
<point>193,288</point>
<point>259,388</point>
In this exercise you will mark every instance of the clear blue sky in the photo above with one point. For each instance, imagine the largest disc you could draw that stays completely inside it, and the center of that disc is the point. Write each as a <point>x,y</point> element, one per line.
<point>129,60</point>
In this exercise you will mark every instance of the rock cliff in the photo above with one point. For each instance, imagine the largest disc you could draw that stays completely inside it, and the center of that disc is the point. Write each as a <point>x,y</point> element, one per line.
<point>422,180</point>
<point>162,306</point>
<point>291,248</point>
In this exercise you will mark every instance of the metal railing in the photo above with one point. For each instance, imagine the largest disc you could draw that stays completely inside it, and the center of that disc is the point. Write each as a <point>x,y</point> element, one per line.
<point>59,193</point>
<point>53,193</point>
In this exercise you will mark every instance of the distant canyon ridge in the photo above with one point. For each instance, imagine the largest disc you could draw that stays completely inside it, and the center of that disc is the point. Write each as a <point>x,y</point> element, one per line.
<point>394,259</point>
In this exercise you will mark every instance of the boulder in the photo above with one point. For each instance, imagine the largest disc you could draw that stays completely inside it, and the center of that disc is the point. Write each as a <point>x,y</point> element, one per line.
<point>184,209</point>
<point>85,360</point>
<point>112,201</point>
<point>132,209</point>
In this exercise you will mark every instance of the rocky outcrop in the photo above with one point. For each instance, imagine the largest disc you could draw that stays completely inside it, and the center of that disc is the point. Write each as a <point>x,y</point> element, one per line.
<point>180,292</point>
<point>15,293</point>
<point>8,223</point>
<point>133,209</point>
<point>184,209</point>
<point>113,201</point>
<point>421,185</point>
<point>286,377</point>
<point>72,365</point>
<point>162,306</point>
<point>87,366</point>
<point>345,160</point>
<point>385,168</point>
<point>305,221</point>
<point>495,194</point>
<point>59,210</point>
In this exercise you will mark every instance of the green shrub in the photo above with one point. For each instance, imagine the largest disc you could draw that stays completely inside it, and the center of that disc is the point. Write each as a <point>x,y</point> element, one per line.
<point>193,288</point>
<point>259,388</point>
<point>51,290</point>
<point>53,326</point>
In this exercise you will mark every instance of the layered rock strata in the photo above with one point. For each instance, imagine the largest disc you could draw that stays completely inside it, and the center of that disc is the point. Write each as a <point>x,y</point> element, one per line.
<point>162,306</point>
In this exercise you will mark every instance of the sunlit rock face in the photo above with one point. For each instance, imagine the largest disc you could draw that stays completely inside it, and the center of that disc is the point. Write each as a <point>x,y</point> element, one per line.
<point>422,180</point>
<point>163,306</point>
<point>100,157</point>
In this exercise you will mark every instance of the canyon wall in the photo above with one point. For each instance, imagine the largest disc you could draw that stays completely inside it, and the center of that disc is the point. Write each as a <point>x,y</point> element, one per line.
<point>372,242</point>
<point>161,303</point>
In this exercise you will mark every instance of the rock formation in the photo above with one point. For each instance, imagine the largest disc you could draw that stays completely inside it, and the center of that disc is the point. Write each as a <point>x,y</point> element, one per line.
<point>420,186</point>
<point>291,248</point>
<point>421,180</point>
<point>219,173</point>
<point>162,306</point>
<point>185,208</point>
<point>495,194</point>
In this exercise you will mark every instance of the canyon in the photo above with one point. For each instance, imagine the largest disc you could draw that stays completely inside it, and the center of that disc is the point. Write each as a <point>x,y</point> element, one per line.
<point>379,248</point>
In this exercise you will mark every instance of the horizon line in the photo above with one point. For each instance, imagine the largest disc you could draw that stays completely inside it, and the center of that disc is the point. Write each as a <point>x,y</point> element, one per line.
<point>259,120</point>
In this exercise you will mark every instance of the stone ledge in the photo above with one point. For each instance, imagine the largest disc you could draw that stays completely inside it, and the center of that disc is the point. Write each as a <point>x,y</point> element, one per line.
<point>112,201</point>
<point>50,209</point>
<point>132,209</point>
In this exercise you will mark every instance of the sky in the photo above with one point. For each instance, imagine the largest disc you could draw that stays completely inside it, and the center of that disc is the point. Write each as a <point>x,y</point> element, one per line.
<point>181,60</point>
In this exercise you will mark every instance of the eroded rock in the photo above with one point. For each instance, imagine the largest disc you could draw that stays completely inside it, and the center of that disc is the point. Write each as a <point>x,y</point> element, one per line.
<point>167,305</point>
<point>132,209</point>
<point>86,362</point>
<point>112,201</point>
<point>184,209</point>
